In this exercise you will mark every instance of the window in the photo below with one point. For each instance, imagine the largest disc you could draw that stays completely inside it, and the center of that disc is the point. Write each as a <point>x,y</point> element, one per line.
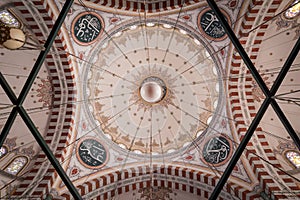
<point>9,19</point>
<point>293,11</point>
<point>3,151</point>
<point>293,157</point>
<point>16,165</point>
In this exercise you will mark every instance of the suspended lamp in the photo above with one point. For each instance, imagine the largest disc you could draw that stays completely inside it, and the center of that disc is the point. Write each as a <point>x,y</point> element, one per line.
<point>11,38</point>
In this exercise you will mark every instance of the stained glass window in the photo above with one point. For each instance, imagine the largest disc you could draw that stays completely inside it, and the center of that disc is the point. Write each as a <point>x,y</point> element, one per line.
<point>7,18</point>
<point>16,165</point>
<point>293,11</point>
<point>294,158</point>
<point>3,151</point>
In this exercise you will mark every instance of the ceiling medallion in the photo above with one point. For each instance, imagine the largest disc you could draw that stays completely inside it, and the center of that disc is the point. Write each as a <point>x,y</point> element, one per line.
<point>91,153</point>
<point>217,150</point>
<point>87,27</point>
<point>152,92</point>
<point>153,89</point>
<point>210,26</point>
<point>149,100</point>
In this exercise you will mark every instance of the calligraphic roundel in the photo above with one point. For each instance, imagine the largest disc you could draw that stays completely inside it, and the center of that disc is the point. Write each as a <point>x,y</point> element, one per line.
<point>91,153</point>
<point>87,27</point>
<point>210,26</point>
<point>217,150</point>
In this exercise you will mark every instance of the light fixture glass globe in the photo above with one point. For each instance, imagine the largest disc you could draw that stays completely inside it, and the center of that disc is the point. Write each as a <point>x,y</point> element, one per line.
<point>151,92</point>
<point>11,38</point>
<point>17,39</point>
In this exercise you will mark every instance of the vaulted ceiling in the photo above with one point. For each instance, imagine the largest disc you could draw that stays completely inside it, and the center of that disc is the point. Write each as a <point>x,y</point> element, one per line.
<point>151,100</point>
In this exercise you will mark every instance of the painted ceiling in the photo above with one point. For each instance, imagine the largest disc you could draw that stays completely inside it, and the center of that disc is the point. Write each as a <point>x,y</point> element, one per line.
<point>150,100</point>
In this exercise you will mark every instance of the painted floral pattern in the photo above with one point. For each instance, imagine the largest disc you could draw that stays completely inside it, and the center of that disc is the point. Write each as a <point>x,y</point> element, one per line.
<point>45,92</point>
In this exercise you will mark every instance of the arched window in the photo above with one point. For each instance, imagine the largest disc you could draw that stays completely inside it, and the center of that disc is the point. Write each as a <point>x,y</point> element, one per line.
<point>9,19</point>
<point>293,157</point>
<point>3,151</point>
<point>293,11</point>
<point>16,165</point>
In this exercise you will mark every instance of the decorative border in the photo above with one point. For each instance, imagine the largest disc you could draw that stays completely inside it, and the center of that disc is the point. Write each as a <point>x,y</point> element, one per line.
<point>203,32</point>
<point>149,6</point>
<point>229,155</point>
<point>84,164</point>
<point>74,22</point>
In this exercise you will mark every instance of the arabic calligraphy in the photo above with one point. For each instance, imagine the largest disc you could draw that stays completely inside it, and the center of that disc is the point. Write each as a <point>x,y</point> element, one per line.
<point>92,153</point>
<point>216,150</point>
<point>87,27</point>
<point>210,25</point>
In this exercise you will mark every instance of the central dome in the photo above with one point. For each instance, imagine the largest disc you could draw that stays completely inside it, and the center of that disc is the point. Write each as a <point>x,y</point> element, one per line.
<point>152,89</point>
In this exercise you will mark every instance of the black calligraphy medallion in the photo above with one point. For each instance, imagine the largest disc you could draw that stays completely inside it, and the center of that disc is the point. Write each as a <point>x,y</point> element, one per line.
<point>210,26</point>
<point>91,153</point>
<point>87,27</point>
<point>217,150</point>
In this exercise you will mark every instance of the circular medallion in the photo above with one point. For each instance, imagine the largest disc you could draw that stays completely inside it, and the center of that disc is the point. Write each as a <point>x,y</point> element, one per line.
<point>91,153</point>
<point>87,27</point>
<point>153,89</point>
<point>210,26</point>
<point>217,150</point>
<point>152,101</point>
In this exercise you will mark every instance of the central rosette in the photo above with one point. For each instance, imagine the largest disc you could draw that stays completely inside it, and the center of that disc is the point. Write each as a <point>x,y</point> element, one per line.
<point>153,89</point>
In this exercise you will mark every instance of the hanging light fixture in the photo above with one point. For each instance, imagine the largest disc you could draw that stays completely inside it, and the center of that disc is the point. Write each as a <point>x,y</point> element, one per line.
<point>11,38</point>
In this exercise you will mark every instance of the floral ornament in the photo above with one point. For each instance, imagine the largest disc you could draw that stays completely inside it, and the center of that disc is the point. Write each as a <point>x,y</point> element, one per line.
<point>114,19</point>
<point>28,151</point>
<point>45,92</point>
<point>232,4</point>
<point>158,193</point>
<point>160,74</point>
<point>283,23</point>
<point>282,146</point>
<point>297,31</point>
<point>11,142</point>
<point>289,18</point>
<point>186,17</point>
<point>256,91</point>
<point>74,171</point>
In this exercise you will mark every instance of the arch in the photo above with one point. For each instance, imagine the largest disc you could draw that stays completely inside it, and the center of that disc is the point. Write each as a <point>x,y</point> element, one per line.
<point>172,176</point>
<point>16,165</point>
